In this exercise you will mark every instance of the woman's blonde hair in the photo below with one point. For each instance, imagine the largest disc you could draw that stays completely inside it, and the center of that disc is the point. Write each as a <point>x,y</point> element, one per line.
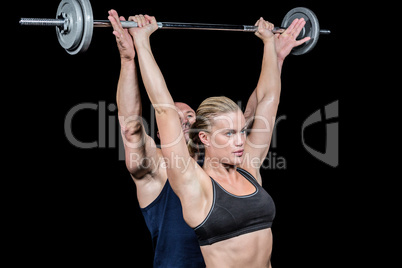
<point>208,109</point>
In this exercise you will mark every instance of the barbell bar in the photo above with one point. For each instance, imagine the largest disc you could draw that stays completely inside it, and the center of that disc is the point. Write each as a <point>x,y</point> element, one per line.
<point>74,26</point>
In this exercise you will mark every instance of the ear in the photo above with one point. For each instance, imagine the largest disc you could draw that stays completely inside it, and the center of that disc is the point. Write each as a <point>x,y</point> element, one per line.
<point>204,138</point>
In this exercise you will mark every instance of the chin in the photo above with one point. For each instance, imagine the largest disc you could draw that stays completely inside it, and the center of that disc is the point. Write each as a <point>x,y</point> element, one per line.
<point>234,161</point>
<point>238,161</point>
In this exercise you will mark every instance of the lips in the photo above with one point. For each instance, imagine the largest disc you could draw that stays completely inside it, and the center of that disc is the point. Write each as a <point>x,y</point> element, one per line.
<point>238,153</point>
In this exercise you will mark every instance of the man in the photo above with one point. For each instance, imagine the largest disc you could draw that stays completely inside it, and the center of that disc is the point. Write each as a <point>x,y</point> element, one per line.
<point>175,243</point>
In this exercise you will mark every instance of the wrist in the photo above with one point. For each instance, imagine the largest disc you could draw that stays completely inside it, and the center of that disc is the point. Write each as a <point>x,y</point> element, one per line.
<point>141,41</point>
<point>269,41</point>
<point>269,46</point>
<point>141,46</point>
<point>127,63</point>
<point>281,58</point>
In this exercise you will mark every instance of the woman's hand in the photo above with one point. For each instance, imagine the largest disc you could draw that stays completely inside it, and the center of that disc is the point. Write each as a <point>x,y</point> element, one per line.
<point>146,26</point>
<point>264,31</point>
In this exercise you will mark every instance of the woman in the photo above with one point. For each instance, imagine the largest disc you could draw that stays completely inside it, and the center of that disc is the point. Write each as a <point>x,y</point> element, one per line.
<point>223,200</point>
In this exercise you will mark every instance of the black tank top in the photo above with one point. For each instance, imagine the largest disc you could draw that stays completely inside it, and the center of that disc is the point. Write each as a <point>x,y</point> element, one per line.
<point>233,215</point>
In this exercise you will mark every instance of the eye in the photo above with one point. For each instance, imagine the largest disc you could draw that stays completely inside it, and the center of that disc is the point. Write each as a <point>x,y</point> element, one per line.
<point>243,131</point>
<point>229,133</point>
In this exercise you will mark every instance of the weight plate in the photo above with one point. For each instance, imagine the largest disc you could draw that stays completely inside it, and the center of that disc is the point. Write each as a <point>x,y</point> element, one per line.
<point>70,10</point>
<point>311,29</point>
<point>80,27</point>
<point>88,20</point>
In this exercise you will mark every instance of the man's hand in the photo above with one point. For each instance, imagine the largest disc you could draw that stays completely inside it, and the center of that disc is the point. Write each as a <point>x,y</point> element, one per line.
<point>286,41</point>
<point>123,38</point>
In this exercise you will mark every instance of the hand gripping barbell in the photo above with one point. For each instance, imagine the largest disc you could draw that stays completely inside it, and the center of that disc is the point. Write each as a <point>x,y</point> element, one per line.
<point>74,26</point>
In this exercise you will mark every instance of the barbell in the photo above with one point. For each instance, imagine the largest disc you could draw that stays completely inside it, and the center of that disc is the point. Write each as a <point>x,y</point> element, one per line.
<point>74,26</point>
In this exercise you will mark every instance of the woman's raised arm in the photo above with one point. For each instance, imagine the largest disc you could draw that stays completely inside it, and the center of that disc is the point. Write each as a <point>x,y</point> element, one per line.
<point>267,94</point>
<point>183,172</point>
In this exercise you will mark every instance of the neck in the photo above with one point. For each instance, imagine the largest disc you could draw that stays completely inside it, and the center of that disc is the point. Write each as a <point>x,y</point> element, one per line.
<point>214,168</point>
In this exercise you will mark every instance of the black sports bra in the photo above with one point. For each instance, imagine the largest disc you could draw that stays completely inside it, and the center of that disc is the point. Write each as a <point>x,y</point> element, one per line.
<point>233,215</point>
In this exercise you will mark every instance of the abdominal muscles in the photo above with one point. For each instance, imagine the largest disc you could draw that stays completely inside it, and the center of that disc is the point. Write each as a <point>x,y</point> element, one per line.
<point>248,250</point>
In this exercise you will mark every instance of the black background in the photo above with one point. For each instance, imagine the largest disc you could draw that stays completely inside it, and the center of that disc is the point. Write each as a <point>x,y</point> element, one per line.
<point>69,205</point>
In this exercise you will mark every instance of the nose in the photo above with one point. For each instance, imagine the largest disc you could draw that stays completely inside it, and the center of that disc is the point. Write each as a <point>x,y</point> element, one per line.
<point>239,141</point>
<point>185,122</point>
<point>183,119</point>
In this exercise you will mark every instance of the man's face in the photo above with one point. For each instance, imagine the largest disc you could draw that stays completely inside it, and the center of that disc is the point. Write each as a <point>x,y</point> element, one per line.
<point>187,117</point>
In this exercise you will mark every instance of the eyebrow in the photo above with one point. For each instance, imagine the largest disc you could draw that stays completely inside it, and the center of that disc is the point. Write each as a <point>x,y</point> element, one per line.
<point>231,129</point>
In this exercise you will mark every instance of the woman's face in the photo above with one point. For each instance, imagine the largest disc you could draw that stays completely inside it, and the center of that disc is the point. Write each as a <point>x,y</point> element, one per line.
<point>225,142</point>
